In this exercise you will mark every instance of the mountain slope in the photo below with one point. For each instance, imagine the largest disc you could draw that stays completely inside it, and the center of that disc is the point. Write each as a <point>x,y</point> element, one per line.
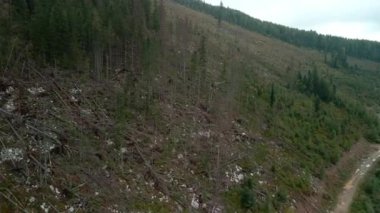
<point>193,116</point>
<point>332,44</point>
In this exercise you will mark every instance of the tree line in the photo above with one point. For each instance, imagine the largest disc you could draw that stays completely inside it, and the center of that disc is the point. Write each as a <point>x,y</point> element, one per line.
<point>310,39</point>
<point>98,35</point>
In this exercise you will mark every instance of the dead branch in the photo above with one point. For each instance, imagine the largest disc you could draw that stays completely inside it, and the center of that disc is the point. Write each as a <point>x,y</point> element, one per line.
<point>6,114</point>
<point>44,133</point>
<point>55,209</point>
<point>52,81</point>
<point>11,194</point>
<point>37,162</point>
<point>61,99</point>
<point>18,206</point>
<point>14,130</point>
<point>60,119</point>
<point>9,58</point>
<point>99,108</point>
<point>156,177</point>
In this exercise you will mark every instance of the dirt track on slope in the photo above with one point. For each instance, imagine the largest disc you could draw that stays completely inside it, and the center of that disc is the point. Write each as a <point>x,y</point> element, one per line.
<point>346,196</point>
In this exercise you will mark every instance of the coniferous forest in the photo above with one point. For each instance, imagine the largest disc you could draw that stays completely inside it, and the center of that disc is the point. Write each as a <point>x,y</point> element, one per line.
<point>87,35</point>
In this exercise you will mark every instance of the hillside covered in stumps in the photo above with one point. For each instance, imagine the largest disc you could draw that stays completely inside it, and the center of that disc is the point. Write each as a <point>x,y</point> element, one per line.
<point>151,106</point>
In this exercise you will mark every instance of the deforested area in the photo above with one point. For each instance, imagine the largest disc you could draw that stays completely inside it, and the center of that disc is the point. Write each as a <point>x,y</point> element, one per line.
<point>177,106</point>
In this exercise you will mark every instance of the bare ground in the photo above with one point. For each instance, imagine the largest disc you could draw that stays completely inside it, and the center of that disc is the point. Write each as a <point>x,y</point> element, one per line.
<point>329,187</point>
<point>346,196</point>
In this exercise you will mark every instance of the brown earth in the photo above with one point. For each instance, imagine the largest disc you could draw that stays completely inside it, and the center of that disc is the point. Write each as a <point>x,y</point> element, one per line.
<point>346,196</point>
<point>328,189</point>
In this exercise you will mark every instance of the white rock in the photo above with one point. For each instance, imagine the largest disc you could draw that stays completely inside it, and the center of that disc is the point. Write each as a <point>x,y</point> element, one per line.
<point>9,90</point>
<point>47,146</point>
<point>45,207</point>
<point>123,150</point>
<point>109,142</point>
<point>11,154</point>
<point>75,91</point>
<point>205,134</point>
<point>32,199</point>
<point>10,106</point>
<point>74,99</point>
<point>164,199</point>
<point>235,174</point>
<point>36,90</point>
<point>195,202</point>
<point>216,209</point>
<point>86,111</point>
<point>238,168</point>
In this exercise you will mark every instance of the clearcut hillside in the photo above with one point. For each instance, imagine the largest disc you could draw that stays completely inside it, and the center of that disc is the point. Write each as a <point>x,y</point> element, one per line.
<point>150,106</point>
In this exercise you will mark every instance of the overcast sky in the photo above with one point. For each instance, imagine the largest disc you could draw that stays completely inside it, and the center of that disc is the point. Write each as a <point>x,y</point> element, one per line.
<point>346,18</point>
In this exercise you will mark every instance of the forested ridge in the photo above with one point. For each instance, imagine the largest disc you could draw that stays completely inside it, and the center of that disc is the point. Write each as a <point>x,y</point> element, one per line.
<point>79,34</point>
<point>310,39</point>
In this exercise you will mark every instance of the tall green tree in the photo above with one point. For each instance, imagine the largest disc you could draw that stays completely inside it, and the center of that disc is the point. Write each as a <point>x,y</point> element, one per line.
<point>220,14</point>
<point>247,196</point>
<point>203,64</point>
<point>272,96</point>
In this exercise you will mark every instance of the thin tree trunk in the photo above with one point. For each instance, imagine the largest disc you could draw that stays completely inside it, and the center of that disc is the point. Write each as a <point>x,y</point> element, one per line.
<point>125,55</point>
<point>98,62</point>
<point>10,12</point>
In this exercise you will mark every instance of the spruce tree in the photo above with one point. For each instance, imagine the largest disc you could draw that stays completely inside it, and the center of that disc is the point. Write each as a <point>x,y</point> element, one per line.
<point>203,65</point>
<point>220,14</point>
<point>247,196</point>
<point>272,96</point>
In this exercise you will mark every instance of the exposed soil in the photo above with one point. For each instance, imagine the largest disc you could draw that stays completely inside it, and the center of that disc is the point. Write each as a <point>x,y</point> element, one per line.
<point>328,188</point>
<point>346,196</point>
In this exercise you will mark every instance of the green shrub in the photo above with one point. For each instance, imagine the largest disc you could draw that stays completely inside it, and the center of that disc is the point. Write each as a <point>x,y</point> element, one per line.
<point>247,195</point>
<point>373,135</point>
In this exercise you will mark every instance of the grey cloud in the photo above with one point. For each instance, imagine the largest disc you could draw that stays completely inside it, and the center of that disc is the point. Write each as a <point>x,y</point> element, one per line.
<point>308,14</point>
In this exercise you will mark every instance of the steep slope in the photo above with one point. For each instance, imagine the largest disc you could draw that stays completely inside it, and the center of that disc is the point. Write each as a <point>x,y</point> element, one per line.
<point>221,119</point>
